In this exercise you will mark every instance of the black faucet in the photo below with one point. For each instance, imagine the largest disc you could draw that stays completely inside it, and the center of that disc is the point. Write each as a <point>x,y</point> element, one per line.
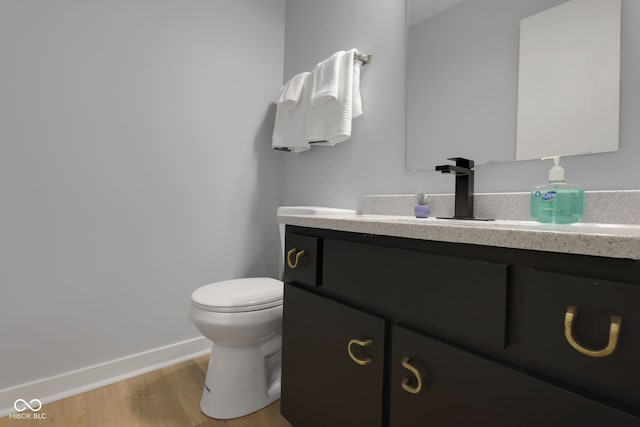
<point>464,173</point>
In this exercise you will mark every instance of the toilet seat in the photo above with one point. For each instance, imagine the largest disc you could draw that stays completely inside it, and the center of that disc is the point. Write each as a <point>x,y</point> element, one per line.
<point>239,295</point>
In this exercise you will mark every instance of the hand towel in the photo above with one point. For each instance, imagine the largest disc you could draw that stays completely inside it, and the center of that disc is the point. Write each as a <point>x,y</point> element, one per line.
<point>329,123</point>
<point>357,96</point>
<point>291,91</point>
<point>326,80</point>
<point>289,127</point>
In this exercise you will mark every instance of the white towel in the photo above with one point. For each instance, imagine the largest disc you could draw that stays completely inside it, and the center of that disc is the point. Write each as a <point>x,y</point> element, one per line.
<point>289,128</point>
<point>291,91</point>
<point>326,80</point>
<point>329,123</point>
<point>357,95</point>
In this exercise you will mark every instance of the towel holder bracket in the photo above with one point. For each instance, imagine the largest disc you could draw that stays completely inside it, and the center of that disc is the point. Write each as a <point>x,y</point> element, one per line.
<point>365,58</point>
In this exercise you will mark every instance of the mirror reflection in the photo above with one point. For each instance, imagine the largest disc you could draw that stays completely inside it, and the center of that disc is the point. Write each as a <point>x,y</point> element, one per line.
<point>462,94</point>
<point>569,80</point>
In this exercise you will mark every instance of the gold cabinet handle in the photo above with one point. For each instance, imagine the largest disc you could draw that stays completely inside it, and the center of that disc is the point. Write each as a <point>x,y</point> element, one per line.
<point>405,381</point>
<point>294,264</point>
<point>614,331</point>
<point>361,343</point>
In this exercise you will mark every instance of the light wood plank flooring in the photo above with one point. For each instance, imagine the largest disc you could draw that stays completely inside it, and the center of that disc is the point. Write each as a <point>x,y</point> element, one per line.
<point>168,397</point>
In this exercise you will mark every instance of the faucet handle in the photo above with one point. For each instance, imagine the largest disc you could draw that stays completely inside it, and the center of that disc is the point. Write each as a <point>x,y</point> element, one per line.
<point>462,162</point>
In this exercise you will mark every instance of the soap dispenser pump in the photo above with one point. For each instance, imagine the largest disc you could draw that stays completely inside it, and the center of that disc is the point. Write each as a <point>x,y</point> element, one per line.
<point>557,202</point>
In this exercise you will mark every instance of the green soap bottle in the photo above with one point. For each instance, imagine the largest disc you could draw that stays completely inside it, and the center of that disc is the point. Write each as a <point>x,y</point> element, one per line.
<point>557,202</point>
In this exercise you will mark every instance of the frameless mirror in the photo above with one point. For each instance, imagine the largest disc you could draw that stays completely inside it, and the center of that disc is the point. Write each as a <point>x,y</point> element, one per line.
<point>462,81</point>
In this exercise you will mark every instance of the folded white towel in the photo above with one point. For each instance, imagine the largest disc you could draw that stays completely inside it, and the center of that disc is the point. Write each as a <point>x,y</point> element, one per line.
<point>357,96</point>
<point>291,91</point>
<point>289,127</point>
<point>326,80</point>
<point>329,123</point>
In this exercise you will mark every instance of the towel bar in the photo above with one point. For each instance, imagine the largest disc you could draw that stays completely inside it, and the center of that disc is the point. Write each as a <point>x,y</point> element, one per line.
<point>365,58</point>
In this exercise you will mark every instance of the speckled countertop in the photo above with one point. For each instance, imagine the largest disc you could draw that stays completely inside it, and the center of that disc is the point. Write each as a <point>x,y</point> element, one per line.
<point>607,240</point>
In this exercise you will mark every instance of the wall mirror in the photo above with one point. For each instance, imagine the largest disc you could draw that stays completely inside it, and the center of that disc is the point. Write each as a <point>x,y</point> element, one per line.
<point>463,95</point>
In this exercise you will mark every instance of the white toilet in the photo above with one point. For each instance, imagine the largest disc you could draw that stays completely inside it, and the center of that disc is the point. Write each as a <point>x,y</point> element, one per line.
<point>243,318</point>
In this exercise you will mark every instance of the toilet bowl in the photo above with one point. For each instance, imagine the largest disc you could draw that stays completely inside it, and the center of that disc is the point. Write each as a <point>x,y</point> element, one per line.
<point>243,318</point>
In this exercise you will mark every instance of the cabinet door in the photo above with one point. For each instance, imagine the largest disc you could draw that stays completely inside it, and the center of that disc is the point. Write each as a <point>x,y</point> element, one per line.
<point>596,303</point>
<point>321,384</point>
<point>461,389</point>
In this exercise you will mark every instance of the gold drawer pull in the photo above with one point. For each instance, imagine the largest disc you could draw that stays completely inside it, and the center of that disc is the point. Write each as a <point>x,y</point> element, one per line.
<point>614,331</point>
<point>405,381</point>
<point>361,343</point>
<point>293,265</point>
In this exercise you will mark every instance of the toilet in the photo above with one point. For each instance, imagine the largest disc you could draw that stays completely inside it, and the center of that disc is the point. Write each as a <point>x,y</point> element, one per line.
<point>243,318</point>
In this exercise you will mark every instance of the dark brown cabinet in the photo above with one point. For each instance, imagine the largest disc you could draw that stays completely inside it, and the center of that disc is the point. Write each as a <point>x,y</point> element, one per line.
<point>401,332</point>
<point>322,384</point>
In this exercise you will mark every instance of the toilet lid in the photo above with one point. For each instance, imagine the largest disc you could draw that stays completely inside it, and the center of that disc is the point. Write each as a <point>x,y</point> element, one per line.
<point>232,296</point>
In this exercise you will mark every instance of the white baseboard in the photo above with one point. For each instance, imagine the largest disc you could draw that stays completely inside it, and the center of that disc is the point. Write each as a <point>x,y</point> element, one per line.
<point>58,387</point>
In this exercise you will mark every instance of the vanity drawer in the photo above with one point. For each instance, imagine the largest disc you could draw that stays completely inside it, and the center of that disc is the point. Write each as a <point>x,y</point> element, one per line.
<point>446,295</point>
<point>302,259</point>
<point>547,334</point>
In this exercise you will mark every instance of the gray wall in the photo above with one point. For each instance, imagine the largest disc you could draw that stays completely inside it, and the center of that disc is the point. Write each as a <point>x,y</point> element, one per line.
<point>135,166</point>
<point>373,162</point>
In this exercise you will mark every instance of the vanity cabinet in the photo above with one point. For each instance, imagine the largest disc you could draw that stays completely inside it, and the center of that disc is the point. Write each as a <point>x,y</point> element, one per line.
<point>404,332</point>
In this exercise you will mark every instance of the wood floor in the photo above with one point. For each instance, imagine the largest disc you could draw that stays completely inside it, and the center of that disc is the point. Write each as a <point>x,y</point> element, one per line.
<point>169,397</point>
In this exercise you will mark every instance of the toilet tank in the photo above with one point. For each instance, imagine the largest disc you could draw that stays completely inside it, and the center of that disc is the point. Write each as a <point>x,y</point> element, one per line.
<point>306,210</point>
